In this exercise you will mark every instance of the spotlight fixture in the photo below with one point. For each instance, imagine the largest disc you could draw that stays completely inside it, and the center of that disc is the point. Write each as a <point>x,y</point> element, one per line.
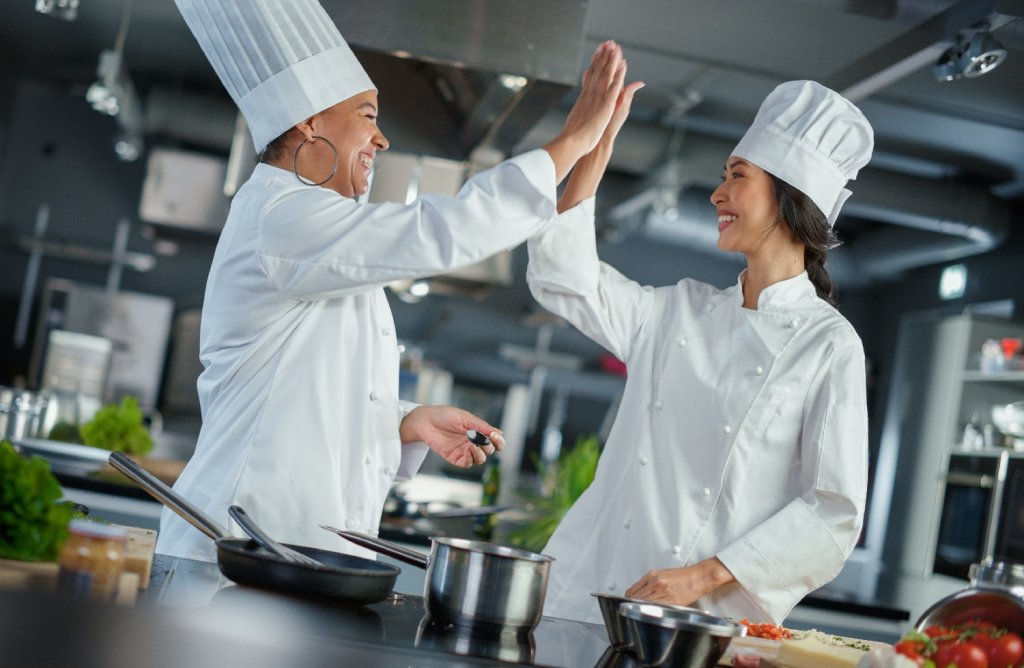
<point>975,53</point>
<point>59,9</point>
<point>983,54</point>
<point>114,94</point>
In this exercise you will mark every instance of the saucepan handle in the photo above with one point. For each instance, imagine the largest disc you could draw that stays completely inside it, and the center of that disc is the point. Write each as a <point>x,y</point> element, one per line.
<point>382,546</point>
<point>167,496</point>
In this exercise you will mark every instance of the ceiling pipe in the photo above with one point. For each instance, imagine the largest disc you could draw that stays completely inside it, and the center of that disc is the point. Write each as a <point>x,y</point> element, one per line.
<point>927,220</point>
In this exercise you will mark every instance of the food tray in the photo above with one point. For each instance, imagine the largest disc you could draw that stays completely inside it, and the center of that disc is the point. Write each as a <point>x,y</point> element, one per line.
<point>65,457</point>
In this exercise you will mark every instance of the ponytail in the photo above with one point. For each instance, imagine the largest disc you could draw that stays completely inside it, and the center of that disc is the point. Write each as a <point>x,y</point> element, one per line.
<point>811,228</point>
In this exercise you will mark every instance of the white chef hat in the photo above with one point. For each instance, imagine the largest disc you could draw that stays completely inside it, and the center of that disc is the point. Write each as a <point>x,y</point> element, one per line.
<point>813,139</point>
<point>281,61</point>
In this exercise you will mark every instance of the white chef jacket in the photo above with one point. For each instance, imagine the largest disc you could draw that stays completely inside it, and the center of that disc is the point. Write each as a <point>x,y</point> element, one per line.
<point>299,392</point>
<point>741,433</point>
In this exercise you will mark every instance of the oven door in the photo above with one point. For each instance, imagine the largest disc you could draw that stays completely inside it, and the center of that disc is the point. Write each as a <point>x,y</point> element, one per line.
<point>972,483</point>
<point>1009,543</point>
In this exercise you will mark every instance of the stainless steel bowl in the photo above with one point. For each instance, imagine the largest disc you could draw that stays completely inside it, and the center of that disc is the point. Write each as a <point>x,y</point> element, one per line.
<point>996,606</point>
<point>615,624</point>
<point>664,637</point>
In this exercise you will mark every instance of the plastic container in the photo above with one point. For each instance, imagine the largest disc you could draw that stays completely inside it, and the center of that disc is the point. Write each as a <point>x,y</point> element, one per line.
<point>92,560</point>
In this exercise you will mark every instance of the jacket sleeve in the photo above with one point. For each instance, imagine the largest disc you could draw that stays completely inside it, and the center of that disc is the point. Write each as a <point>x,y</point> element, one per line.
<point>807,542</point>
<point>315,244</point>
<point>566,277</point>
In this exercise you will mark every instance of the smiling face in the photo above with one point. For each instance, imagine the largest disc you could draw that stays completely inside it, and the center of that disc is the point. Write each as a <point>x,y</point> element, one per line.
<point>747,209</point>
<point>351,125</point>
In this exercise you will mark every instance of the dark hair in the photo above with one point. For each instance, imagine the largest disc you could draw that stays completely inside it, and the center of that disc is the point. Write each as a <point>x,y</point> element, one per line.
<point>275,148</point>
<point>810,226</point>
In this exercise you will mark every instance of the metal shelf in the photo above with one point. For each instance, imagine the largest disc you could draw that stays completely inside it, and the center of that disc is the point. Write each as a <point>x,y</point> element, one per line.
<point>993,376</point>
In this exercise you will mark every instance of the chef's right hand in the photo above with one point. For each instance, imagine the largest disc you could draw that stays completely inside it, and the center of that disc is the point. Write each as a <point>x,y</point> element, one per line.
<point>588,118</point>
<point>443,429</point>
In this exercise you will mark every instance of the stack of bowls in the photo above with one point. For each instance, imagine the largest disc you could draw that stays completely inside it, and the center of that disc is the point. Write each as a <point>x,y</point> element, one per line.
<point>666,635</point>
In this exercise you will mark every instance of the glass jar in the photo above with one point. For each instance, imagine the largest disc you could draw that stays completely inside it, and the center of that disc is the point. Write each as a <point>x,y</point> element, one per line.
<point>92,560</point>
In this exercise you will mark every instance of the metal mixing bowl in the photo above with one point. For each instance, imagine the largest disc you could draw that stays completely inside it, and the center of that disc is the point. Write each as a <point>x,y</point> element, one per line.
<point>665,637</point>
<point>996,606</point>
<point>616,625</point>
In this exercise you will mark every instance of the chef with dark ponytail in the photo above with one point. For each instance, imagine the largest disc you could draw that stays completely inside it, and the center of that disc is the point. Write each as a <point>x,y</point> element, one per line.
<point>734,478</point>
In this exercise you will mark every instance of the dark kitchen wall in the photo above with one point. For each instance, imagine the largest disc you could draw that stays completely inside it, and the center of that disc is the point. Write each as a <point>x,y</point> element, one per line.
<point>57,151</point>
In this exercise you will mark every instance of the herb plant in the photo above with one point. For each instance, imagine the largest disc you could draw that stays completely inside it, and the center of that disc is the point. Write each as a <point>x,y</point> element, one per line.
<point>33,523</point>
<point>118,427</point>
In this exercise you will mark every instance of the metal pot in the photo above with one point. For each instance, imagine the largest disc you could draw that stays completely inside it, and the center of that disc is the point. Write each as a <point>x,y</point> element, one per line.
<point>474,584</point>
<point>342,578</point>
<point>20,413</point>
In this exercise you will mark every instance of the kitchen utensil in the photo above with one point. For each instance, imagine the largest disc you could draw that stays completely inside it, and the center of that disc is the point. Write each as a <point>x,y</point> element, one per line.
<point>476,438</point>
<point>341,578</point>
<point>661,636</point>
<point>616,625</point>
<point>473,584</point>
<point>266,542</point>
<point>967,605</point>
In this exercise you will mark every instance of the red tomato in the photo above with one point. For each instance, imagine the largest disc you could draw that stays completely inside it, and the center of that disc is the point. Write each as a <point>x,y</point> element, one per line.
<point>911,650</point>
<point>1004,651</point>
<point>936,631</point>
<point>960,654</point>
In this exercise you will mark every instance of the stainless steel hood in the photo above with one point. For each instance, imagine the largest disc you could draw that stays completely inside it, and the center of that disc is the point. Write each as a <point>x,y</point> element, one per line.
<point>495,67</point>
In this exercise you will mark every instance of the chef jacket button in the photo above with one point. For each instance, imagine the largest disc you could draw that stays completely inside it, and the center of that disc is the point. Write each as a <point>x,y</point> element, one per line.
<point>676,550</point>
<point>611,587</point>
<point>727,429</point>
<point>401,349</point>
<point>794,323</point>
<point>626,524</point>
<point>368,460</point>
<point>708,307</point>
<point>350,524</point>
<point>759,370</point>
<point>385,331</point>
<point>643,460</point>
<point>682,342</point>
<point>706,491</point>
<point>389,471</point>
<point>658,404</point>
<point>374,396</point>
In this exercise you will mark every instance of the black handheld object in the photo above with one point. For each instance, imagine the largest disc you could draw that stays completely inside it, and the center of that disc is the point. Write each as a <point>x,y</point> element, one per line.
<point>476,438</point>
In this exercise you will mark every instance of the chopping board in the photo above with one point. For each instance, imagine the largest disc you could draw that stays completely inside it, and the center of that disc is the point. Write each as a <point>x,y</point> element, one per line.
<point>138,567</point>
<point>813,649</point>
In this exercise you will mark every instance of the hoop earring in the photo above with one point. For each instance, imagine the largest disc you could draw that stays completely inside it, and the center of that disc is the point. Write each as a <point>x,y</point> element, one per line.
<point>295,157</point>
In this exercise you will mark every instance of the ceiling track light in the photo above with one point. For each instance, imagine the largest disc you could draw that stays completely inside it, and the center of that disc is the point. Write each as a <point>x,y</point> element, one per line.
<point>975,53</point>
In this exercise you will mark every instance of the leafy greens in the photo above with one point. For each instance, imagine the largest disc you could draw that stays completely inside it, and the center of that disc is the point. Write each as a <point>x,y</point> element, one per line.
<point>33,523</point>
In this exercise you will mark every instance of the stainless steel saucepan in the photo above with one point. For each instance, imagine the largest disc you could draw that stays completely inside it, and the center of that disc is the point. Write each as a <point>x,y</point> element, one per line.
<point>474,584</point>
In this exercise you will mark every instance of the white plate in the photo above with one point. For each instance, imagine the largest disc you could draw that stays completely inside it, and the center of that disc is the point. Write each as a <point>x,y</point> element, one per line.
<point>65,456</point>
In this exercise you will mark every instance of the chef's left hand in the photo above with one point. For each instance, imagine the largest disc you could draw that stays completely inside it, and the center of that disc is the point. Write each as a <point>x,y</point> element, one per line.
<point>443,429</point>
<point>682,586</point>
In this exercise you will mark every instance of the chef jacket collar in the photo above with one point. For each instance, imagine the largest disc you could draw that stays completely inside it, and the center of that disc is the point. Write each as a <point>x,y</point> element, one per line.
<point>778,295</point>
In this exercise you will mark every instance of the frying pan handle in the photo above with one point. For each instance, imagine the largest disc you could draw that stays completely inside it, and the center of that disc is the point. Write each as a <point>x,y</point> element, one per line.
<point>167,496</point>
<point>382,546</point>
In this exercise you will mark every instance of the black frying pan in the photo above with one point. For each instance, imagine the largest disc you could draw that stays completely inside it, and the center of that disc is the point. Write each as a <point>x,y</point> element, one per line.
<point>343,578</point>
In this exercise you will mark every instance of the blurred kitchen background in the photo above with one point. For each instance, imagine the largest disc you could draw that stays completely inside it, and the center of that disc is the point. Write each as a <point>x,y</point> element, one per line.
<point>119,152</point>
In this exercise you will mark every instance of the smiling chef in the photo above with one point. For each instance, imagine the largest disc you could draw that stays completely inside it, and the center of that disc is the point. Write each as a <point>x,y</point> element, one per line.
<point>302,423</point>
<point>735,475</point>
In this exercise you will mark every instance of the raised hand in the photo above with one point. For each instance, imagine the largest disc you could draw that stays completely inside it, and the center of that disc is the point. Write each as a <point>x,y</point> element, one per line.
<point>589,116</point>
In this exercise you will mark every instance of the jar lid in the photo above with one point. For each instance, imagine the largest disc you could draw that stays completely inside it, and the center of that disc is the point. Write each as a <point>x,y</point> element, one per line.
<point>998,574</point>
<point>97,530</point>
